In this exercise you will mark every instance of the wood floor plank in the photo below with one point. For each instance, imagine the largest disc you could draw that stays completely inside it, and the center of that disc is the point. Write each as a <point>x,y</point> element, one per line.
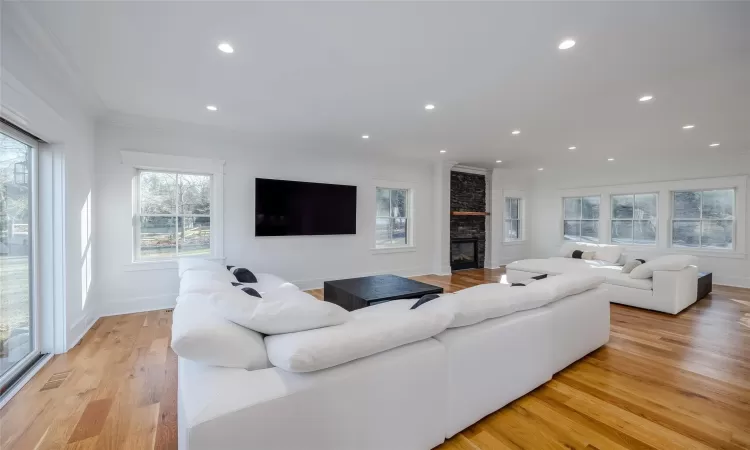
<point>662,382</point>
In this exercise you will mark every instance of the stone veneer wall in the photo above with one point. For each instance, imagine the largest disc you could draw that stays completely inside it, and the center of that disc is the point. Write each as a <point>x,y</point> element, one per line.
<point>469,193</point>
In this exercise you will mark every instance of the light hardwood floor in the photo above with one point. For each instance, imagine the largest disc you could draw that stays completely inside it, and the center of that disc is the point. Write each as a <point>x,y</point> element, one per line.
<point>662,382</point>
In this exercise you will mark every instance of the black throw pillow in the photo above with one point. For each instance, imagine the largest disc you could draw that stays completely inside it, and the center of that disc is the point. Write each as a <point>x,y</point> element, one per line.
<point>236,284</point>
<point>540,277</point>
<point>424,299</point>
<point>243,275</point>
<point>516,284</point>
<point>577,254</point>
<point>251,291</point>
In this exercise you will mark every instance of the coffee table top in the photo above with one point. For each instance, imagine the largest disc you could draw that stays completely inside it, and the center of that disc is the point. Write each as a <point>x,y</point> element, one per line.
<point>383,287</point>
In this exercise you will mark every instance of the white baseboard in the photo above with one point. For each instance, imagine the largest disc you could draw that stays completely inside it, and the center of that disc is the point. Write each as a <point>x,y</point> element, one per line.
<point>306,285</point>
<point>136,305</point>
<point>743,282</point>
<point>80,328</point>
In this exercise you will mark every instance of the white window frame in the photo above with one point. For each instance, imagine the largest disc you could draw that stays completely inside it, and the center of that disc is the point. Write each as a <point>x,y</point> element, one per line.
<point>156,162</point>
<point>612,219</point>
<point>672,220</point>
<point>520,219</point>
<point>598,219</point>
<point>411,238</point>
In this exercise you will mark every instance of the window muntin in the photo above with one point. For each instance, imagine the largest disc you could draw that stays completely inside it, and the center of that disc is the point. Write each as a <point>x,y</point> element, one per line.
<point>634,219</point>
<point>581,218</point>
<point>392,211</point>
<point>703,219</point>
<point>513,225</point>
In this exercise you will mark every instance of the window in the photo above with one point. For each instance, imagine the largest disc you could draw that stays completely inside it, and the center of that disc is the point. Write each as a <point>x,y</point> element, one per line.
<point>703,219</point>
<point>392,217</point>
<point>173,215</point>
<point>634,219</point>
<point>581,219</point>
<point>513,226</point>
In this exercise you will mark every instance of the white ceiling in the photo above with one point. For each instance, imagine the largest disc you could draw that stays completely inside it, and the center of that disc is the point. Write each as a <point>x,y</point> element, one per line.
<point>316,76</point>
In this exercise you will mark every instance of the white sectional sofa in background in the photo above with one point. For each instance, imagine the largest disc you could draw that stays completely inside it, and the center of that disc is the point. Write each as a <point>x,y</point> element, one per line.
<point>411,395</point>
<point>669,290</point>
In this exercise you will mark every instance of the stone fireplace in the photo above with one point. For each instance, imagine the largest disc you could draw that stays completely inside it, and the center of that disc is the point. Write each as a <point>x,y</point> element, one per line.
<point>468,194</point>
<point>464,253</point>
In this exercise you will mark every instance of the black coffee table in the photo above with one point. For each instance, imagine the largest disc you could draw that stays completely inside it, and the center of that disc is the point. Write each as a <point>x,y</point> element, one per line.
<point>356,293</point>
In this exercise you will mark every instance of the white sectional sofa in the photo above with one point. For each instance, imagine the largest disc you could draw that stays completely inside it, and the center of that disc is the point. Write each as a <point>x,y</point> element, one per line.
<point>668,291</point>
<point>411,396</point>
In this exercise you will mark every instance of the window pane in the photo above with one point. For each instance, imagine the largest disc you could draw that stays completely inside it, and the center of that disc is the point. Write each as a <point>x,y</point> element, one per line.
<point>398,234</point>
<point>194,194</point>
<point>590,208</point>
<point>158,237</point>
<point>718,204</point>
<point>572,208</point>
<point>383,199</point>
<point>16,327</point>
<point>644,232</point>
<point>194,235</point>
<point>512,230</point>
<point>622,206</point>
<point>687,205</point>
<point>514,208</point>
<point>508,208</point>
<point>622,231</point>
<point>382,231</point>
<point>590,230</point>
<point>158,192</point>
<point>686,233</point>
<point>572,230</point>
<point>645,206</point>
<point>717,233</point>
<point>398,202</point>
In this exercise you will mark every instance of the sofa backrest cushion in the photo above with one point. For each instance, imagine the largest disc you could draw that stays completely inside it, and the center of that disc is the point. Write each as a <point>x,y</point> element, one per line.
<point>206,283</point>
<point>200,335</point>
<point>604,252</point>
<point>186,264</point>
<point>279,311</point>
<point>667,262</point>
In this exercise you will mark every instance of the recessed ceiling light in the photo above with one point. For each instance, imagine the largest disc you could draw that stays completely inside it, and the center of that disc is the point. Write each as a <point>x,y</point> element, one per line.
<point>540,169</point>
<point>226,48</point>
<point>610,159</point>
<point>572,147</point>
<point>498,161</point>
<point>515,132</point>
<point>212,108</point>
<point>714,144</point>
<point>429,106</point>
<point>687,127</point>
<point>646,98</point>
<point>365,136</point>
<point>566,44</point>
<point>443,151</point>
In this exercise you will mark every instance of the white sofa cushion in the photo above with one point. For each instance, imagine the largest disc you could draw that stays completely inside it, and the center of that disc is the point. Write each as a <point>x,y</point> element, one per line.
<point>268,282</point>
<point>194,277</point>
<point>604,252</point>
<point>185,264</point>
<point>202,336</point>
<point>555,265</point>
<point>201,282</point>
<point>667,262</point>
<point>556,288</point>
<point>370,332</point>
<point>279,311</point>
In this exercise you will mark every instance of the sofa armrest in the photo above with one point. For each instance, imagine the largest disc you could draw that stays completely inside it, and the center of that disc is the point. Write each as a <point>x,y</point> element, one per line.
<point>679,287</point>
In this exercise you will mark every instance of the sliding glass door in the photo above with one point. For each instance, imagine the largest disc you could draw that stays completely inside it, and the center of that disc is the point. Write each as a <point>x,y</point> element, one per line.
<point>18,311</point>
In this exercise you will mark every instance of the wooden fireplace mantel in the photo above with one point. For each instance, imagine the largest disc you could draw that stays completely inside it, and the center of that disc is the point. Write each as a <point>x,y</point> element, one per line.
<point>469,213</point>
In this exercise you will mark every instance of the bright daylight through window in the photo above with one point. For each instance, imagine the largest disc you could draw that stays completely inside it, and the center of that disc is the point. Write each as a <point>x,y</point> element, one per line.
<point>513,219</point>
<point>174,215</point>
<point>703,219</point>
<point>392,218</point>
<point>581,219</point>
<point>634,219</point>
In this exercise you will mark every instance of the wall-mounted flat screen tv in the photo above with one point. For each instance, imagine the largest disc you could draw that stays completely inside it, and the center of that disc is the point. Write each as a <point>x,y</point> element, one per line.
<point>295,208</point>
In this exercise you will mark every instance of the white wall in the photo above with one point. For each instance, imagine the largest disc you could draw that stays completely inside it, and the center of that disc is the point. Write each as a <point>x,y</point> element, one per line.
<point>551,185</point>
<point>304,260</point>
<point>510,183</point>
<point>36,97</point>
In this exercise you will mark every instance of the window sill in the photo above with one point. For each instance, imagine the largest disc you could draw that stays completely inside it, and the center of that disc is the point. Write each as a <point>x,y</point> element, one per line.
<point>404,249</point>
<point>521,242</point>
<point>165,264</point>
<point>707,253</point>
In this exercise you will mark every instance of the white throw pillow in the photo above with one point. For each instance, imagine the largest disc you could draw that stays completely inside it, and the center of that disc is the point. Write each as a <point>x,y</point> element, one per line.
<point>205,276</point>
<point>667,262</point>
<point>363,336</point>
<point>198,334</point>
<point>604,252</point>
<point>195,283</point>
<point>185,264</point>
<point>558,287</point>
<point>279,311</point>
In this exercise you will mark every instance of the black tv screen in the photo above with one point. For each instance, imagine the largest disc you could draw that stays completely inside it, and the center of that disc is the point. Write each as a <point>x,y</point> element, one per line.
<point>294,208</point>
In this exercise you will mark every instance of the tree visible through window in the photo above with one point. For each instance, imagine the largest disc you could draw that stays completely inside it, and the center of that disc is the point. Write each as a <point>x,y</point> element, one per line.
<point>513,219</point>
<point>391,217</point>
<point>703,219</point>
<point>634,219</point>
<point>174,215</point>
<point>581,219</point>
